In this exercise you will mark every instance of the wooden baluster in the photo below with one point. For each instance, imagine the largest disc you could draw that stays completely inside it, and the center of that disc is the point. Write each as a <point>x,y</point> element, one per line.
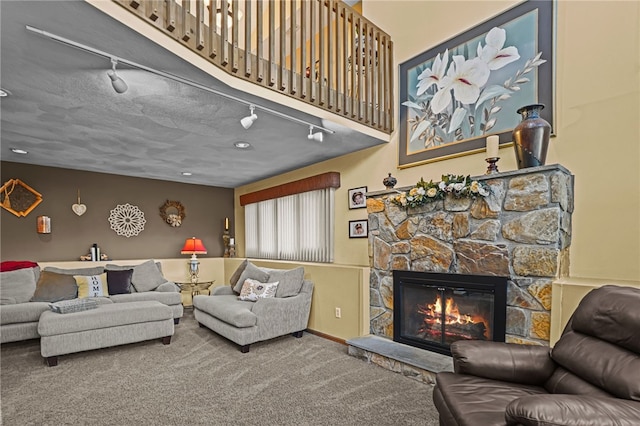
<point>170,15</point>
<point>293,80</point>
<point>346,28</point>
<point>224,32</point>
<point>247,40</point>
<point>303,50</point>
<point>199,24</point>
<point>377,83</point>
<point>322,61</point>
<point>213,36</point>
<point>354,34</point>
<point>260,42</point>
<point>312,51</point>
<point>282,81</point>
<point>151,10</point>
<point>332,34</point>
<point>186,28</point>
<point>272,45</point>
<point>337,58</point>
<point>365,70</point>
<point>387,86</point>
<point>235,54</point>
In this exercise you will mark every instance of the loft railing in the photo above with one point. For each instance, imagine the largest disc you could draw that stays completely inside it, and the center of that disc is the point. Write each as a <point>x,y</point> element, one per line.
<point>302,48</point>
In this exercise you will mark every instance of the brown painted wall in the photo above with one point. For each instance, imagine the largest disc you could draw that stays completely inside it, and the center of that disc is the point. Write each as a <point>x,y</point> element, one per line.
<point>72,235</point>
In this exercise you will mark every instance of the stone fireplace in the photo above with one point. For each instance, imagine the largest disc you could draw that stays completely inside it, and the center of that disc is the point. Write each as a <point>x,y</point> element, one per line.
<point>521,231</point>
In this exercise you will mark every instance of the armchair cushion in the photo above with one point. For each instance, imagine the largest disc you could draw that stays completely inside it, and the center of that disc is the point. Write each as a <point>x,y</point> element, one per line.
<point>228,309</point>
<point>526,364</point>
<point>572,410</point>
<point>290,281</point>
<point>253,272</point>
<point>236,274</point>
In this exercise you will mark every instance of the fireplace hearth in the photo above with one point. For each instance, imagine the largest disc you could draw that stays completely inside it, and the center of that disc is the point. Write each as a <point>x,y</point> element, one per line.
<point>433,310</point>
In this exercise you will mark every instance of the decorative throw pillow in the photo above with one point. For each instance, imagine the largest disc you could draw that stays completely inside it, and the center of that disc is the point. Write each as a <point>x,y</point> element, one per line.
<point>253,290</point>
<point>91,285</point>
<point>290,281</point>
<point>119,282</point>
<point>53,287</point>
<point>146,276</point>
<point>236,275</point>
<point>18,285</point>
<point>253,272</point>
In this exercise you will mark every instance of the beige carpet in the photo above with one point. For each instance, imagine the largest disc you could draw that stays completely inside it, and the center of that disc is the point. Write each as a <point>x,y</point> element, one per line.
<point>203,379</point>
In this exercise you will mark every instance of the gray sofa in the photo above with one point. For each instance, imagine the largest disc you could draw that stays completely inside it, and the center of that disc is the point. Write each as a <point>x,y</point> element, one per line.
<point>245,321</point>
<point>19,315</point>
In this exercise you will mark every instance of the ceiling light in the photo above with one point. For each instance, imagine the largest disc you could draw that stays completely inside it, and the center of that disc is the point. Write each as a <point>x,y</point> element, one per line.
<point>315,136</point>
<point>248,121</point>
<point>4,93</point>
<point>19,151</point>
<point>242,145</point>
<point>186,173</point>
<point>118,83</point>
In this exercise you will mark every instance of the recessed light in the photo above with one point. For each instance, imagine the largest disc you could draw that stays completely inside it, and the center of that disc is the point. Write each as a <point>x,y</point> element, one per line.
<point>186,173</point>
<point>242,145</point>
<point>4,93</point>
<point>19,151</point>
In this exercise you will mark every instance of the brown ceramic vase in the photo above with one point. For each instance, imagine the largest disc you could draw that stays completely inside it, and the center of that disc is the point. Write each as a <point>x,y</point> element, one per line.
<point>531,137</point>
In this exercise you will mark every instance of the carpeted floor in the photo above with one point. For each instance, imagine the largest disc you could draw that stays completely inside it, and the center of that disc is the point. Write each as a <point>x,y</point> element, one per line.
<point>203,379</point>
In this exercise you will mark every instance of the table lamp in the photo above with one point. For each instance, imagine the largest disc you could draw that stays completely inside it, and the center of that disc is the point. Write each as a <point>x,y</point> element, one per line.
<point>193,246</point>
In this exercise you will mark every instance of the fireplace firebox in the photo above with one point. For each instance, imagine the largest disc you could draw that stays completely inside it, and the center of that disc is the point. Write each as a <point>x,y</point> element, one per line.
<point>432,310</point>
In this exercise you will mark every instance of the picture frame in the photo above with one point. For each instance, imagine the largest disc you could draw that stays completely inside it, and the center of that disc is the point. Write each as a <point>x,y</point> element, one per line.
<point>357,198</point>
<point>438,126</point>
<point>358,228</point>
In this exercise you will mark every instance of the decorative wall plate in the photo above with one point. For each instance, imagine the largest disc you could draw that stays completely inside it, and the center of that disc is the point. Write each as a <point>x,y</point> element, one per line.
<point>127,220</point>
<point>19,198</point>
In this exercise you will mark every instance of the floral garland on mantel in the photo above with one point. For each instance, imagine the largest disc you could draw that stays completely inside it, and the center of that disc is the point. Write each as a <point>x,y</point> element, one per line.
<point>458,186</point>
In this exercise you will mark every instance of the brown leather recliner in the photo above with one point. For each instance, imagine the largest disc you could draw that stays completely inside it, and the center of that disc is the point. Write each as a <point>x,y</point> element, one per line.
<point>590,377</point>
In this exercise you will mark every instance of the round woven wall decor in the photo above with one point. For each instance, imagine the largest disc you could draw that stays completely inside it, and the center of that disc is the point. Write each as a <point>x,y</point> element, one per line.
<point>172,213</point>
<point>127,220</point>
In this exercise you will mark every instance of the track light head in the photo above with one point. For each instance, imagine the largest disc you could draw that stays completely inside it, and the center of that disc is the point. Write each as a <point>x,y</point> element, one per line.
<point>118,83</point>
<point>318,137</point>
<point>248,121</point>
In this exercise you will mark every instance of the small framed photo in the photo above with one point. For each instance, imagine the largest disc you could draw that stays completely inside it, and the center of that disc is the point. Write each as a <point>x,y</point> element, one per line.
<point>358,228</point>
<point>357,199</point>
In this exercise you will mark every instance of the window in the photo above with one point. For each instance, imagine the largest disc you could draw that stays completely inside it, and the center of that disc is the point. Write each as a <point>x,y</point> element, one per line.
<point>293,227</point>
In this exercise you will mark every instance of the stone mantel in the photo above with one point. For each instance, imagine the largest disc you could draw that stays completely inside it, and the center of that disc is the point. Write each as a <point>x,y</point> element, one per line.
<point>521,230</point>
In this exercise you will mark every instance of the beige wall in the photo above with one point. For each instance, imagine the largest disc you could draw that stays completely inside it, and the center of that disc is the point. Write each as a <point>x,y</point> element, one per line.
<point>71,235</point>
<point>598,137</point>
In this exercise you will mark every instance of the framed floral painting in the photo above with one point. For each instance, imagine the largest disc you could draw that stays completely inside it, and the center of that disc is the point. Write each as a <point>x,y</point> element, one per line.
<point>455,95</point>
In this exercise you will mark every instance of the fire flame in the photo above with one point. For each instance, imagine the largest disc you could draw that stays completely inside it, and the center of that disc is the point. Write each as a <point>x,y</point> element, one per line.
<point>433,314</point>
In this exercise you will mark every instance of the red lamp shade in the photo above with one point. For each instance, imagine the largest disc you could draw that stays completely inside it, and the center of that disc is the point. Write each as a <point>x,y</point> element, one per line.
<point>193,246</point>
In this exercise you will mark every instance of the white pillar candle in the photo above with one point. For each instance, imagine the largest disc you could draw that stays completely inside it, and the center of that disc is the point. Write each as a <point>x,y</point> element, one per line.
<point>232,241</point>
<point>493,143</point>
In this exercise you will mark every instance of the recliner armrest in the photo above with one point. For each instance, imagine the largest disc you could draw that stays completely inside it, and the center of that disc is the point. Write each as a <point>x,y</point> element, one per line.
<point>526,364</point>
<point>572,410</point>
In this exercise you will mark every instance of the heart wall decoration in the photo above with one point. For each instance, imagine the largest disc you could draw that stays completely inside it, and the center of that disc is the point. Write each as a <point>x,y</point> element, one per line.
<point>78,208</point>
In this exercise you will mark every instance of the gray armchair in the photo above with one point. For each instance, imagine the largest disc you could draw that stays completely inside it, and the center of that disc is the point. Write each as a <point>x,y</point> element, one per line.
<point>245,322</point>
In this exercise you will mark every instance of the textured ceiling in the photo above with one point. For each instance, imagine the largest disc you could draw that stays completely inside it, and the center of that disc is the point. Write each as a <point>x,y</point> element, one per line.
<point>63,110</point>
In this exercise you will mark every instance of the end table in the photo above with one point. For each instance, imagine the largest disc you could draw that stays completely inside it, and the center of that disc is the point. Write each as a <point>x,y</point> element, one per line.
<point>193,289</point>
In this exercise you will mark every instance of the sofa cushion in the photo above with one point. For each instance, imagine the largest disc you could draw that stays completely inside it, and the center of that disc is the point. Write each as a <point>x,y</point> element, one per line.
<point>236,274</point>
<point>167,298</point>
<point>93,270</point>
<point>91,285</point>
<point>146,276</point>
<point>53,287</point>
<point>253,272</point>
<point>18,286</point>
<point>253,290</point>
<point>119,282</point>
<point>290,280</point>
<point>22,312</point>
<point>227,308</point>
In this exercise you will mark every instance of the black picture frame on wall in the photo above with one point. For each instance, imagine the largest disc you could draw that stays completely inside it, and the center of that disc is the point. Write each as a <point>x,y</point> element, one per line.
<point>358,228</point>
<point>357,197</point>
<point>429,132</point>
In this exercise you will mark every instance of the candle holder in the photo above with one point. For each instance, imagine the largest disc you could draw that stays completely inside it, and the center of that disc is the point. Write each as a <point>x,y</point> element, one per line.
<point>225,240</point>
<point>493,168</point>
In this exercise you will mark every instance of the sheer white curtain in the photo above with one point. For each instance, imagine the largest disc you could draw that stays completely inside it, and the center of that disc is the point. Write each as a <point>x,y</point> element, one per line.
<point>295,227</point>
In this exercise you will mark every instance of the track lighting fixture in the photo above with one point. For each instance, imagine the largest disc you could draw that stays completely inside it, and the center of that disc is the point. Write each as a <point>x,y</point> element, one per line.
<point>315,136</point>
<point>118,83</point>
<point>120,86</point>
<point>248,121</point>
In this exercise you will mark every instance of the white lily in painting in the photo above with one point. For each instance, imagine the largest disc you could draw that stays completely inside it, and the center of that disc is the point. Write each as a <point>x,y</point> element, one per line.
<point>430,77</point>
<point>493,53</point>
<point>465,77</point>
